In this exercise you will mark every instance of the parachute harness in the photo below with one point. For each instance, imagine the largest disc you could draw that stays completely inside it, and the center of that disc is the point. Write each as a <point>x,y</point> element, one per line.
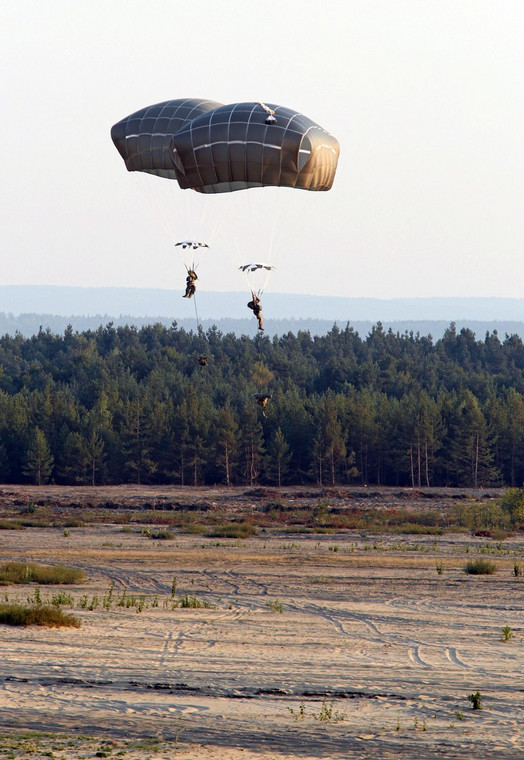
<point>271,119</point>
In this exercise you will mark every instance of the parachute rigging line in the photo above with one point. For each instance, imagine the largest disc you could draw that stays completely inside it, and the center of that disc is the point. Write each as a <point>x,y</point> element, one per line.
<point>196,313</point>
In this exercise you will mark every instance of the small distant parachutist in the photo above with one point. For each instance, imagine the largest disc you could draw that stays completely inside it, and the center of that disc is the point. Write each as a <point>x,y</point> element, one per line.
<point>256,308</point>
<point>262,399</point>
<point>202,360</point>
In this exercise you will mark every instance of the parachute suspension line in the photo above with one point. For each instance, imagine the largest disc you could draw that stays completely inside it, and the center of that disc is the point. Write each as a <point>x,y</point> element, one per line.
<point>196,314</point>
<point>203,358</point>
<point>153,200</point>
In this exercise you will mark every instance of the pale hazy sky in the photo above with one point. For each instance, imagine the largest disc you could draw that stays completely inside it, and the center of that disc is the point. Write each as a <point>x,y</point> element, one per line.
<point>426,98</point>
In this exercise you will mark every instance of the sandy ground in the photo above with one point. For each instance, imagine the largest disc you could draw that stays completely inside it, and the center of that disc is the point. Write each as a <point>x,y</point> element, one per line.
<point>329,646</point>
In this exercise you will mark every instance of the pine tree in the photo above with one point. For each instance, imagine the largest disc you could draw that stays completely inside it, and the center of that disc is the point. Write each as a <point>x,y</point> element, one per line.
<point>279,456</point>
<point>39,460</point>
<point>252,445</point>
<point>74,461</point>
<point>226,443</point>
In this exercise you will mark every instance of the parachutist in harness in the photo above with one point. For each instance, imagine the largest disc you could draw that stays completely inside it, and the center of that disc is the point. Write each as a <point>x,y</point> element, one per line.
<point>256,308</point>
<point>202,360</point>
<point>190,283</point>
<point>262,400</point>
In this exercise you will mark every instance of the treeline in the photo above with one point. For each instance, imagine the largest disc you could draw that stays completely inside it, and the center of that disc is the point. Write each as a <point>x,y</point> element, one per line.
<point>124,404</point>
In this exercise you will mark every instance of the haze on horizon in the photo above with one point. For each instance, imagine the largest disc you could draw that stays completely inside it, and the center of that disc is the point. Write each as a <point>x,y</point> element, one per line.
<point>425,99</point>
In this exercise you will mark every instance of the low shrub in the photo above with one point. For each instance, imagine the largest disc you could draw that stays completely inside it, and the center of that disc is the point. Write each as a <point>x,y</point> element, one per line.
<point>193,529</point>
<point>232,530</point>
<point>22,572</point>
<point>163,534</point>
<point>11,525</point>
<point>46,615</point>
<point>476,700</point>
<point>480,567</point>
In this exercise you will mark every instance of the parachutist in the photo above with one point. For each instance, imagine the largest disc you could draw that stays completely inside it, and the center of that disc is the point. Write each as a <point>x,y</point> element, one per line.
<point>262,400</point>
<point>256,308</point>
<point>190,283</point>
<point>202,360</point>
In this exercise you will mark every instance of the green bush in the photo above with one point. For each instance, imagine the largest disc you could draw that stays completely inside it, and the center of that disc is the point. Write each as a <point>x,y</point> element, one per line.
<point>480,567</point>
<point>476,700</point>
<point>512,502</point>
<point>22,572</point>
<point>46,615</point>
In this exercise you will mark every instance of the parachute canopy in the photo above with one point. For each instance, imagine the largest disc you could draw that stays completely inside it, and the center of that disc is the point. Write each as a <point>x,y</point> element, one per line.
<point>214,148</point>
<point>194,244</point>
<point>255,267</point>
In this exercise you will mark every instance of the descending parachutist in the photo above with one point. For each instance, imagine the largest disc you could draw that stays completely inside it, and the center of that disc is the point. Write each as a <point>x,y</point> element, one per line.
<point>262,399</point>
<point>256,308</point>
<point>190,283</point>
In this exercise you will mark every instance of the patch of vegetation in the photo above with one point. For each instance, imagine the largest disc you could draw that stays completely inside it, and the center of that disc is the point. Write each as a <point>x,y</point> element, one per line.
<point>512,503</point>
<point>11,525</point>
<point>298,714</point>
<point>162,535</point>
<point>45,615</point>
<point>476,700</point>
<point>62,599</point>
<point>28,572</point>
<point>193,529</point>
<point>74,522</point>
<point>416,529</point>
<point>276,606</point>
<point>480,567</point>
<point>506,633</point>
<point>327,713</point>
<point>232,530</point>
<point>193,602</point>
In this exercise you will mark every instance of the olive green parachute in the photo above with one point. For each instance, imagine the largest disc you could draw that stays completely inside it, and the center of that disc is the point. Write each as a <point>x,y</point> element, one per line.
<point>214,148</point>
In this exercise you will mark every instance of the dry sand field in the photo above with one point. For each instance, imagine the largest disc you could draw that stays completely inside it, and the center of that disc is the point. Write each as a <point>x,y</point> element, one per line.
<point>340,645</point>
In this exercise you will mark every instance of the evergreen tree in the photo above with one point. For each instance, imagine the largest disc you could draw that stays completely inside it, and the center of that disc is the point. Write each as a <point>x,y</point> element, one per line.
<point>470,455</point>
<point>74,461</point>
<point>226,443</point>
<point>252,445</point>
<point>39,460</point>
<point>278,457</point>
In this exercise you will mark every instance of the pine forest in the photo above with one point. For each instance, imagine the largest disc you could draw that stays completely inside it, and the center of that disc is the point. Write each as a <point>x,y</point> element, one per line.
<point>129,405</point>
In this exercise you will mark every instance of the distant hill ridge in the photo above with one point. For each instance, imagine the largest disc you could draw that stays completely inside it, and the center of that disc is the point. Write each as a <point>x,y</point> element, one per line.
<point>26,308</point>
